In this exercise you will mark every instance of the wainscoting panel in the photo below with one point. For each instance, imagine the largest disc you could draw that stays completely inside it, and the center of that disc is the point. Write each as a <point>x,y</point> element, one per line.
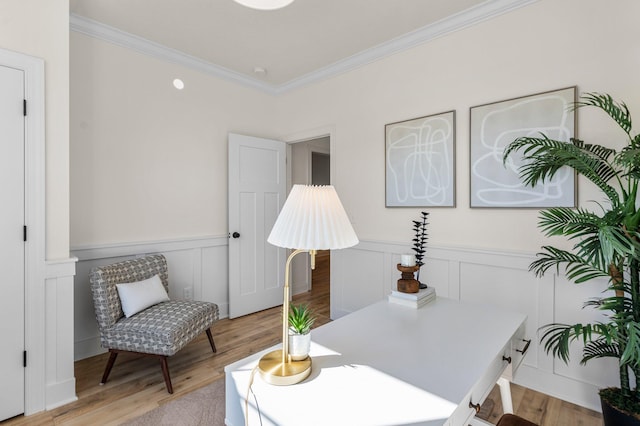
<point>197,270</point>
<point>601,371</point>
<point>59,380</point>
<point>214,276</point>
<point>367,273</point>
<point>86,340</point>
<point>507,288</point>
<point>361,272</point>
<point>438,277</point>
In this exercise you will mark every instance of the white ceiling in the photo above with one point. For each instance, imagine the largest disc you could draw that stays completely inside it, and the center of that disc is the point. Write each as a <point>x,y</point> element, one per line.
<point>308,40</point>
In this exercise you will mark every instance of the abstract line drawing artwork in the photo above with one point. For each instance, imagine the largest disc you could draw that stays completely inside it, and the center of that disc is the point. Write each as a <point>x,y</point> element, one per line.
<point>494,126</point>
<point>419,156</point>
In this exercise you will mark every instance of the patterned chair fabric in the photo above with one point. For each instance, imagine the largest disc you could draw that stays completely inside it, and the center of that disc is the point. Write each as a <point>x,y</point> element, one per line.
<point>162,329</point>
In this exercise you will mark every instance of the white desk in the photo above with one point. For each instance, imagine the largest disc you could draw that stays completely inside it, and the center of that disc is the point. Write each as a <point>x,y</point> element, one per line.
<point>388,365</point>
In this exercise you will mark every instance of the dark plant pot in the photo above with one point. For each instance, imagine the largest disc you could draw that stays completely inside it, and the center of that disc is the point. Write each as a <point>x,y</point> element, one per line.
<point>614,417</point>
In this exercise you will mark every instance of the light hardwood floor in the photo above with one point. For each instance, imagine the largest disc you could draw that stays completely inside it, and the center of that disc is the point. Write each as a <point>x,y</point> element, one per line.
<point>136,385</point>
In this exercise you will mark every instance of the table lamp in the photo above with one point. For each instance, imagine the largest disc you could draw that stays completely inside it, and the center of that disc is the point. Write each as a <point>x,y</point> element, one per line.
<point>311,219</point>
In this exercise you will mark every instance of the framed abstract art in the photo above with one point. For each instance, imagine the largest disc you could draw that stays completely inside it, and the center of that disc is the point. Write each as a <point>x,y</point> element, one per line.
<point>419,157</point>
<point>494,126</point>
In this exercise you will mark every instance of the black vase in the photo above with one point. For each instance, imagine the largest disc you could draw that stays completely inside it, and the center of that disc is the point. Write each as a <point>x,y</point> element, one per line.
<point>614,417</point>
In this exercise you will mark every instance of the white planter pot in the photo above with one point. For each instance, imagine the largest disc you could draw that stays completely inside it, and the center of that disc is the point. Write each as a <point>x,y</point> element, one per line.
<point>299,346</point>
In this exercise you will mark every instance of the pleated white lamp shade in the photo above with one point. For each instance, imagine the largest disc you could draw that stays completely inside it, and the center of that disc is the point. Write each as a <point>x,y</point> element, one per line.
<point>313,218</point>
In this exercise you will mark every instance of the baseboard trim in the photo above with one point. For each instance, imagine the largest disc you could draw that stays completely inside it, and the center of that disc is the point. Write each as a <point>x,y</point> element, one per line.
<point>87,348</point>
<point>564,388</point>
<point>59,393</point>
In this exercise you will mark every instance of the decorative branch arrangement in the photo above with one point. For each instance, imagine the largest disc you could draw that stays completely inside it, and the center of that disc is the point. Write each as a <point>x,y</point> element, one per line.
<point>420,228</point>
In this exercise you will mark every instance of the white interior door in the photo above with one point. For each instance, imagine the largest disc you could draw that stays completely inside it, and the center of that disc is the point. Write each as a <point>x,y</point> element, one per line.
<point>257,191</point>
<point>11,242</point>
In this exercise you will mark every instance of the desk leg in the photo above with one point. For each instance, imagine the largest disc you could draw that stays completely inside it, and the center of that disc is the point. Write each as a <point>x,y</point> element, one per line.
<point>505,395</point>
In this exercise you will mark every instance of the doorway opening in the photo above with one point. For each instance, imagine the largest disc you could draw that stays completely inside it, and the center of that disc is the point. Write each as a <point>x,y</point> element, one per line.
<point>321,175</point>
<point>311,165</point>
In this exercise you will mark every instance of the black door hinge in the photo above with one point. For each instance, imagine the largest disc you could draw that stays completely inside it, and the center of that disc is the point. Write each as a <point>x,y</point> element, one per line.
<point>24,358</point>
<point>24,233</point>
<point>24,107</point>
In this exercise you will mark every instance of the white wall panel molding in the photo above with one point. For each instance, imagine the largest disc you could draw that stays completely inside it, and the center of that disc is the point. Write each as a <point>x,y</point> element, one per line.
<point>60,383</point>
<point>367,273</point>
<point>105,251</point>
<point>61,268</point>
<point>197,267</point>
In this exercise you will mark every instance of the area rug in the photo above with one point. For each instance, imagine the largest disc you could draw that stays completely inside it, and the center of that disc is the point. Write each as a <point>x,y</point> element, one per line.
<point>204,406</point>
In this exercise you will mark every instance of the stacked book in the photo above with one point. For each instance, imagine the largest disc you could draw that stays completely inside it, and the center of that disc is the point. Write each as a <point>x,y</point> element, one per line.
<point>413,300</point>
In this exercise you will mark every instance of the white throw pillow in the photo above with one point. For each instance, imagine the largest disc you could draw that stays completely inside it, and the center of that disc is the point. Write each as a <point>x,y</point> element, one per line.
<point>135,297</point>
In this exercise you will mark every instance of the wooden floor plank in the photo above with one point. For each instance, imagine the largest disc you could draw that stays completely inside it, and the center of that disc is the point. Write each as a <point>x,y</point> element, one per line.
<point>573,415</point>
<point>533,406</point>
<point>136,386</point>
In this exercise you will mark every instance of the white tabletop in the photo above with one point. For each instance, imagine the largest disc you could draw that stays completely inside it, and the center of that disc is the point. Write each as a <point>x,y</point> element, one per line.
<point>386,364</point>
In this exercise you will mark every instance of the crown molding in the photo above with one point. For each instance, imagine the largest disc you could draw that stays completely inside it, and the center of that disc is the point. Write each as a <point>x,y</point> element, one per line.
<point>482,12</point>
<point>104,32</point>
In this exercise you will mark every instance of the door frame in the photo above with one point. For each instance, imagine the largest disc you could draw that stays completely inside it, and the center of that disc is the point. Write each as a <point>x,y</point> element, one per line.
<point>34,196</point>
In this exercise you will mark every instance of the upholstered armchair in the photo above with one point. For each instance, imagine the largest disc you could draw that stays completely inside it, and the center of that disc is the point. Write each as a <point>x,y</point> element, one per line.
<point>159,330</point>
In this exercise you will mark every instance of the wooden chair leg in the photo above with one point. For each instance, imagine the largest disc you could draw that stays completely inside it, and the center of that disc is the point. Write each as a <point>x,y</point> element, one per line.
<point>112,359</point>
<point>213,345</point>
<point>165,373</point>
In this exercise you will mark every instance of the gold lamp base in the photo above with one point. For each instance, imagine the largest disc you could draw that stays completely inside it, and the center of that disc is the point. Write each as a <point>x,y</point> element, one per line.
<point>275,372</point>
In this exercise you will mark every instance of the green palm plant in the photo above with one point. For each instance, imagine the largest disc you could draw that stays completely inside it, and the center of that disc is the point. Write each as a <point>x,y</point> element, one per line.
<point>606,243</point>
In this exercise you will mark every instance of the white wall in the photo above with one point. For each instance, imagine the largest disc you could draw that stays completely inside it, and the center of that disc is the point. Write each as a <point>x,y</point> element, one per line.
<point>146,157</point>
<point>149,162</point>
<point>149,169</point>
<point>547,45</point>
<point>41,28</point>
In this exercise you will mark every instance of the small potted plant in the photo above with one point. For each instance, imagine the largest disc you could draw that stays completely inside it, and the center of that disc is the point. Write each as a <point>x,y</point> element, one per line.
<point>301,320</point>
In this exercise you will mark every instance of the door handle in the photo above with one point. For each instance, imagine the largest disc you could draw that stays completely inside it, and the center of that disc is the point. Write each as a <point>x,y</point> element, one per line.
<point>236,235</point>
